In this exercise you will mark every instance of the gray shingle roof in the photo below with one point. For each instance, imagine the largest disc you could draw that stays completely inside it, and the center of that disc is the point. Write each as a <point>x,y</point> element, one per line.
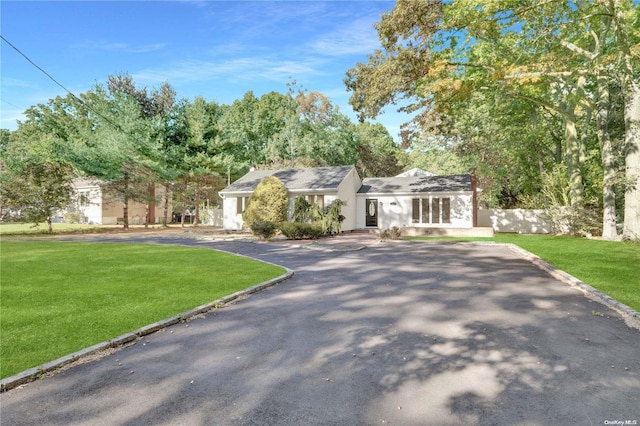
<point>416,184</point>
<point>318,178</point>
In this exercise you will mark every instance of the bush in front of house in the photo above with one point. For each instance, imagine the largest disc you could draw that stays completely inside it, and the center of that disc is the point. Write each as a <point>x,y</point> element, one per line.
<point>268,203</point>
<point>391,234</point>
<point>328,219</point>
<point>301,230</point>
<point>72,217</point>
<point>264,229</point>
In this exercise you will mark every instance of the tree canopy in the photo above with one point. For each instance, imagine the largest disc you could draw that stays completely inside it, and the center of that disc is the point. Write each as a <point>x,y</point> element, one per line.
<point>515,89</point>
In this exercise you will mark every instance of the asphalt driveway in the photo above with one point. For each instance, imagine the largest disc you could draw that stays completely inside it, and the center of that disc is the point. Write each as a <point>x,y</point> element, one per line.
<point>394,334</point>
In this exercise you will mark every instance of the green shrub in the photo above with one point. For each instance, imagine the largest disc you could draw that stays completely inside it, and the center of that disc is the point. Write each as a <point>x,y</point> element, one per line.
<point>301,209</point>
<point>72,217</point>
<point>301,230</point>
<point>332,218</point>
<point>268,203</point>
<point>263,229</point>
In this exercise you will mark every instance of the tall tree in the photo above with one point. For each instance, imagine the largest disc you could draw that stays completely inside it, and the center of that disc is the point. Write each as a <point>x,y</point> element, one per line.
<point>203,160</point>
<point>34,177</point>
<point>120,147</point>
<point>534,51</point>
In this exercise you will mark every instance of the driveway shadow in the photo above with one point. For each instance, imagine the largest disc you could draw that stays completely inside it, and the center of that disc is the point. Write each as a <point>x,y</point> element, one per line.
<point>411,334</point>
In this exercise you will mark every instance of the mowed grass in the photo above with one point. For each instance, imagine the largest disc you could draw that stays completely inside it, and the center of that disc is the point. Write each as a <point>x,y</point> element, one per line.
<point>57,297</point>
<point>609,266</point>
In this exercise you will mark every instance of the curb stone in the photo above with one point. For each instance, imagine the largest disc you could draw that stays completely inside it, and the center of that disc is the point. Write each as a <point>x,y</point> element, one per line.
<point>629,315</point>
<point>37,372</point>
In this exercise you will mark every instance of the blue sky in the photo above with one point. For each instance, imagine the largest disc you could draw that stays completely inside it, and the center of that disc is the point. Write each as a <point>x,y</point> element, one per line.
<point>215,49</point>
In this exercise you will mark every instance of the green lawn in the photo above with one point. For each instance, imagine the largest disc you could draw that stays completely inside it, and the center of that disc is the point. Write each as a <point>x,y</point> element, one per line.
<point>57,298</point>
<point>609,266</point>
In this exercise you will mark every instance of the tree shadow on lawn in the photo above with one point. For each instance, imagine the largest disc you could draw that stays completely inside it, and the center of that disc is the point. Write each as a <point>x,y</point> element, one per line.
<point>395,334</point>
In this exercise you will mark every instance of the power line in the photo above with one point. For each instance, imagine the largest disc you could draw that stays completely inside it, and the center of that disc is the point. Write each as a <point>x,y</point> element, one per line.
<point>9,103</point>
<point>116,126</point>
<point>36,65</point>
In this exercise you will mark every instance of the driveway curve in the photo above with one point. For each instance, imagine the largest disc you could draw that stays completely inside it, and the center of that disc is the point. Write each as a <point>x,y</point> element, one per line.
<point>397,333</point>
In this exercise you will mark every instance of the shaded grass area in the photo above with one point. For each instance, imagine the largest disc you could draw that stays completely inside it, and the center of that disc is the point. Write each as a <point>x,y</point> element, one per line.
<point>609,266</point>
<point>57,298</point>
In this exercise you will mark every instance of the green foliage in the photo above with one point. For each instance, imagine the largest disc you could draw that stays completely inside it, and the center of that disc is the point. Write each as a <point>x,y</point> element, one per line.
<point>327,220</point>
<point>378,155</point>
<point>39,190</point>
<point>331,218</point>
<point>263,229</point>
<point>268,203</point>
<point>301,230</point>
<point>554,198</point>
<point>72,217</point>
<point>301,209</point>
<point>513,88</point>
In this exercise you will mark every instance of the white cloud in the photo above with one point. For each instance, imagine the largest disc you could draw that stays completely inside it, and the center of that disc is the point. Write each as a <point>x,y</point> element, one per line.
<point>121,46</point>
<point>232,69</point>
<point>359,37</point>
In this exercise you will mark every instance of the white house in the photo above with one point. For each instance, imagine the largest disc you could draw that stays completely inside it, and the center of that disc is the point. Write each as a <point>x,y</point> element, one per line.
<point>96,206</point>
<point>319,185</point>
<point>419,200</point>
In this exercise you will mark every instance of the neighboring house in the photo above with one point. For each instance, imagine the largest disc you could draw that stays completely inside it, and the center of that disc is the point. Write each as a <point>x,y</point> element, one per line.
<point>320,185</point>
<point>96,206</point>
<point>419,200</point>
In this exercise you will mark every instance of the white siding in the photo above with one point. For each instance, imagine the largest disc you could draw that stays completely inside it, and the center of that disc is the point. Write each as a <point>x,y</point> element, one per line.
<point>396,210</point>
<point>347,192</point>
<point>232,220</point>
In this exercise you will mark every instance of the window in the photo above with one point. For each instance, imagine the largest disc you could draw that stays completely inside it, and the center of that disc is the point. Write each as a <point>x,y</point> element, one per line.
<point>435,210</point>
<point>446,210</point>
<point>241,204</point>
<point>83,199</point>
<point>425,210</point>
<point>431,210</point>
<point>316,199</point>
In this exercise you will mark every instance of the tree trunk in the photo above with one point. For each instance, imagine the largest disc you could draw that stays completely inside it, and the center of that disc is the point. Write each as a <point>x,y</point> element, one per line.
<point>165,205</point>
<point>125,212</point>
<point>572,157</point>
<point>49,225</point>
<point>631,90</point>
<point>609,222</point>
<point>125,202</point>
<point>197,211</point>
<point>632,162</point>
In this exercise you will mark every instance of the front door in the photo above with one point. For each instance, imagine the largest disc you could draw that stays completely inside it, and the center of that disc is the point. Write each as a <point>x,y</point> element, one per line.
<point>371,206</point>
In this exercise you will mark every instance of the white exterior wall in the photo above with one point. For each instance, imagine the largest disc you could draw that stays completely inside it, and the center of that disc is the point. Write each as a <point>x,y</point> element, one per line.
<point>520,221</point>
<point>92,211</point>
<point>347,192</point>
<point>396,210</point>
<point>232,220</point>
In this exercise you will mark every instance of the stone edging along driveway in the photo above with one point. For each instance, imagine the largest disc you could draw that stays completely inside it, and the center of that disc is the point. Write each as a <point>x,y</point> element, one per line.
<point>36,372</point>
<point>630,316</point>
